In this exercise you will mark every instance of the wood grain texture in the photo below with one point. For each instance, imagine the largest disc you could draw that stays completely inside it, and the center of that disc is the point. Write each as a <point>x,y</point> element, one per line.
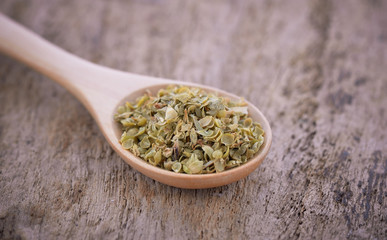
<point>317,70</point>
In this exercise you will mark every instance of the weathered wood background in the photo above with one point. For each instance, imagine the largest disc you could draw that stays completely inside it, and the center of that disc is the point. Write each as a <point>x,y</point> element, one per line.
<point>317,69</point>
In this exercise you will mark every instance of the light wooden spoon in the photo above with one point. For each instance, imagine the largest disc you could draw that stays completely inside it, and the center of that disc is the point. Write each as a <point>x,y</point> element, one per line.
<point>102,90</point>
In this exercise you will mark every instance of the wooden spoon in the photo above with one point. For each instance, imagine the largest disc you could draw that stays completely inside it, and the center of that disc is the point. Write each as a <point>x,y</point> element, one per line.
<point>102,90</point>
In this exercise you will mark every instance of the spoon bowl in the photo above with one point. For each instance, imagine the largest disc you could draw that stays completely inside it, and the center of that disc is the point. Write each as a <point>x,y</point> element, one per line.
<point>102,90</point>
<point>192,181</point>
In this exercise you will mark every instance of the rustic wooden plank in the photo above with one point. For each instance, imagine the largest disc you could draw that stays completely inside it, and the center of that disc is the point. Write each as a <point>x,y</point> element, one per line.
<point>315,68</point>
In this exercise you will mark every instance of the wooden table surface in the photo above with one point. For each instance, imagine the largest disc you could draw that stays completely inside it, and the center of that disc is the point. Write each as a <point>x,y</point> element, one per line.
<point>316,69</point>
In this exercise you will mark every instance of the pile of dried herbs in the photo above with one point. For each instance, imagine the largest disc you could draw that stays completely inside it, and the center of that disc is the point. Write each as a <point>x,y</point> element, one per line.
<point>187,130</point>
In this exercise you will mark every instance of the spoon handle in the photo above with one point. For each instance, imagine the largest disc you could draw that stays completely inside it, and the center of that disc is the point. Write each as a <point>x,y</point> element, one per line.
<point>87,81</point>
<point>29,48</point>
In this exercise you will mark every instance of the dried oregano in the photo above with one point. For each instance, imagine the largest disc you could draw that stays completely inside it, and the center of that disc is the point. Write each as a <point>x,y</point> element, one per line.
<point>187,130</point>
